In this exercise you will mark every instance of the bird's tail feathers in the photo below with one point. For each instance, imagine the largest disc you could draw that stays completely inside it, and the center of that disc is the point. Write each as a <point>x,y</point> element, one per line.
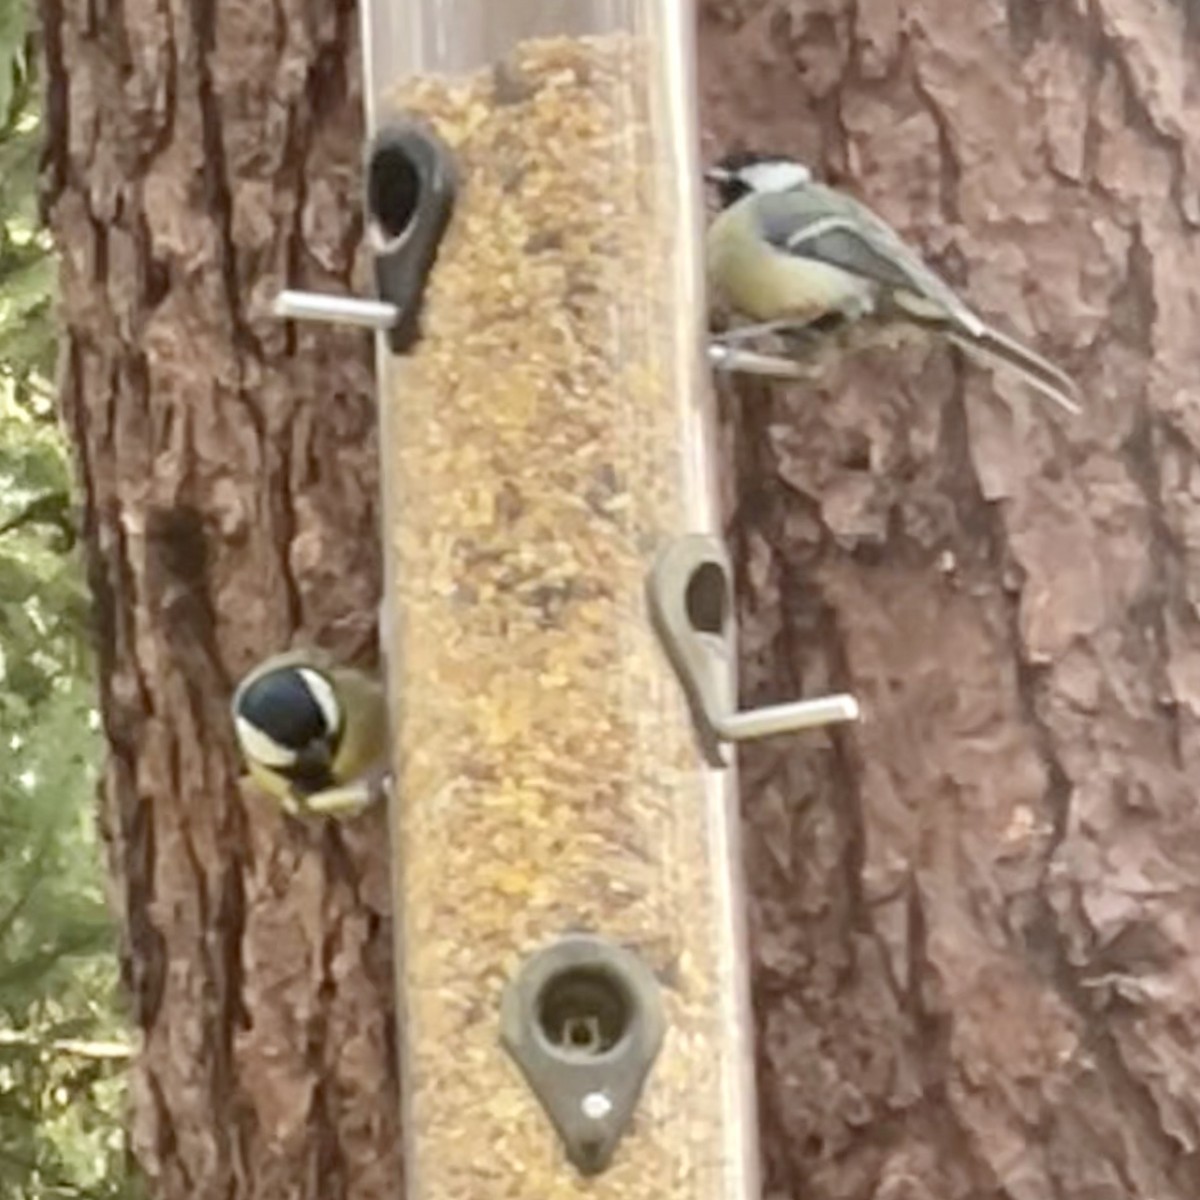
<point>998,349</point>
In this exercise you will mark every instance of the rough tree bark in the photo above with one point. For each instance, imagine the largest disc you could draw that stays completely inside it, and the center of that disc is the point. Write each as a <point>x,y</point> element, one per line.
<point>200,156</point>
<point>974,914</point>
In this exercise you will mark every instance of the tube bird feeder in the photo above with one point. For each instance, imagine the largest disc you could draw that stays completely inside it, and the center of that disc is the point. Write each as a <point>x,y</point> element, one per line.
<point>571,968</point>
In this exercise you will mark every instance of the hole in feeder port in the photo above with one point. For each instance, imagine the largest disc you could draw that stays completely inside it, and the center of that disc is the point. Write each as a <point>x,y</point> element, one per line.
<point>584,1011</point>
<point>707,598</point>
<point>582,1033</point>
<point>393,191</point>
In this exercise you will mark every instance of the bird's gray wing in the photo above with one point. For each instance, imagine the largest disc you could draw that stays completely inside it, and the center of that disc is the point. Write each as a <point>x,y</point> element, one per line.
<point>819,223</point>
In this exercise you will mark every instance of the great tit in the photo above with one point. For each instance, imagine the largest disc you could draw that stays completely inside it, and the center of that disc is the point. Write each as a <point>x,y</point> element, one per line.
<point>313,735</point>
<point>792,254</point>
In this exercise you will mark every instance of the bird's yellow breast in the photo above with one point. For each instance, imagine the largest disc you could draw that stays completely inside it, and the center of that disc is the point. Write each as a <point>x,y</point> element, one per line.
<point>766,284</point>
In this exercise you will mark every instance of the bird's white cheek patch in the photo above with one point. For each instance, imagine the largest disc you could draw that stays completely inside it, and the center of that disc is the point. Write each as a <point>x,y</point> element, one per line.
<point>259,748</point>
<point>324,696</point>
<point>778,176</point>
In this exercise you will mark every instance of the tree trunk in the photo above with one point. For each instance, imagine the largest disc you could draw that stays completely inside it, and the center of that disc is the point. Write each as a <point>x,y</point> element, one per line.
<point>200,157</point>
<point>974,912</point>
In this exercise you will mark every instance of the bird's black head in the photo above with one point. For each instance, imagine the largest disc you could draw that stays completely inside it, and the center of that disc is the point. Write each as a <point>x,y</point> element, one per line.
<point>289,719</point>
<point>742,172</point>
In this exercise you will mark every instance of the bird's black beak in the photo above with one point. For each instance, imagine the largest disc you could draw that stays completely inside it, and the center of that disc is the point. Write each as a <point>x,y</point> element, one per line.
<point>311,770</point>
<point>315,756</point>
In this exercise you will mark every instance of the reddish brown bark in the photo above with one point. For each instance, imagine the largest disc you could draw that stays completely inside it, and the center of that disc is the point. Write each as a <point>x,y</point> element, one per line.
<point>200,156</point>
<point>976,914</point>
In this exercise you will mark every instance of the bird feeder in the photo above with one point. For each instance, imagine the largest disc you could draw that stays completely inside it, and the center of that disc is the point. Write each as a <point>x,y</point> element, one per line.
<point>572,980</point>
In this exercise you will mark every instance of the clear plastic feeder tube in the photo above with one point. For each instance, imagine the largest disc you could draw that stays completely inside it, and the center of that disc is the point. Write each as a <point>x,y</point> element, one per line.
<point>543,440</point>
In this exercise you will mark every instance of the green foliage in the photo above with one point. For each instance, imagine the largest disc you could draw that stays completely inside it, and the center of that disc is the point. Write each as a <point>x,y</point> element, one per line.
<point>62,1056</point>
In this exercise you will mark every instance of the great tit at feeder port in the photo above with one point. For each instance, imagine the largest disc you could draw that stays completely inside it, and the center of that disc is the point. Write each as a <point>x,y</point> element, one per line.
<point>314,736</point>
<point>792,255</point>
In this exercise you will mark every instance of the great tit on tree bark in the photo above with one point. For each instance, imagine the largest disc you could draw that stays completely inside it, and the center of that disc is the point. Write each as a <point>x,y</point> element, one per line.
<point>792,254</point>
<point>314,736</point>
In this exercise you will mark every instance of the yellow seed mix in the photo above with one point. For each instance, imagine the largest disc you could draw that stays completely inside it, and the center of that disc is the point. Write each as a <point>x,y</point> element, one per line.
<point>549,781</point>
